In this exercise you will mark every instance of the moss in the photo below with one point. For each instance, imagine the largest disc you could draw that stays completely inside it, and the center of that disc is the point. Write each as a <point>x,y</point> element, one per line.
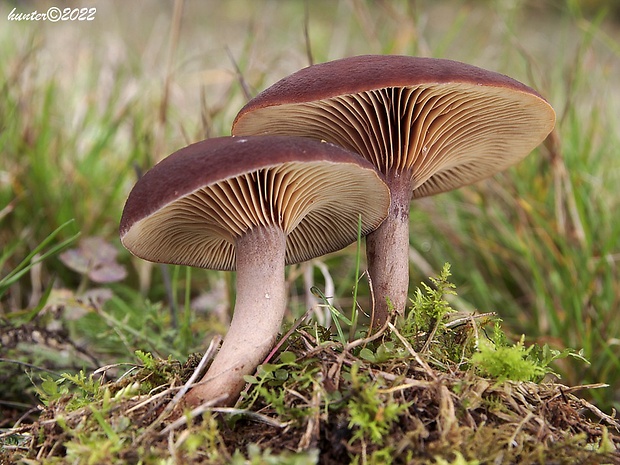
<point>412,395</point>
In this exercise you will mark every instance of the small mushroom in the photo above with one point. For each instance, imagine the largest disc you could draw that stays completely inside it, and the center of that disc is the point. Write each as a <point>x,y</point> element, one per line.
<point>429,125</point>
<point>254,205</point>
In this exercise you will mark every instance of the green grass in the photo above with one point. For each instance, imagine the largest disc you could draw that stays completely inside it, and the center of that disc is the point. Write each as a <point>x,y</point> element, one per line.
<point>83,105</point>
<point>542,239</point>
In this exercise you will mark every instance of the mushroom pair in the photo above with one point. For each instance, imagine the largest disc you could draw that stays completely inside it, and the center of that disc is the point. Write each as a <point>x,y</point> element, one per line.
<point>251,204</point>
<point>257,203</point>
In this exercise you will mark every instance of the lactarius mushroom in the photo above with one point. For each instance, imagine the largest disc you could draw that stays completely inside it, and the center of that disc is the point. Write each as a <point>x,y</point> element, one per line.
<point>429,125</point>
<point>254,205</point>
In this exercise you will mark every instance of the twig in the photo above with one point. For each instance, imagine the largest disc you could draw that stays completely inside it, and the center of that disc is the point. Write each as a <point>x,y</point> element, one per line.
<point>208,407</point>
<point>192,414</point>
<point>599,413</point>
<point>366,340</point>
<point>215,342</point>
<point>415,355</point>
<point>465,319</point>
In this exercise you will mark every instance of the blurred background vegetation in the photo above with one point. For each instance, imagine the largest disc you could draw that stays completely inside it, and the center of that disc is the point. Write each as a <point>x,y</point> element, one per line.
<point>86,106</point>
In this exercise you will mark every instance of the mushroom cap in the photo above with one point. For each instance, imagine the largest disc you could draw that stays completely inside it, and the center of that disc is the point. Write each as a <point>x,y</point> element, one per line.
<point>444,123</point>
<point>190,208</point>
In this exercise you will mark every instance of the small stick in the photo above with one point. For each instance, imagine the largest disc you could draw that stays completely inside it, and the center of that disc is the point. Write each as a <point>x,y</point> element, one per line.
<point>415,355</point>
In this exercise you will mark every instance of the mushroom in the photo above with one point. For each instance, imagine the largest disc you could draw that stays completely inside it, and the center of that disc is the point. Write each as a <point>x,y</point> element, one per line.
<point>254,205</point>
<point>429,125</point>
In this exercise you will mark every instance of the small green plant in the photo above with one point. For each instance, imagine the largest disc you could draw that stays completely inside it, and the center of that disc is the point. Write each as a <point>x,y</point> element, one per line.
<point>386,351</point>
<point>147,360</point>
<point>497,358</point>
<point>429,307</point>
<point>156,372</point>
<point>507,362</point>
<point>51,390</point>
<point>80,389</point>
<point>425,325</point>
<point>206,437</point>
<point>273,380</point>
<point>371,412</point>
<point>97,440</point>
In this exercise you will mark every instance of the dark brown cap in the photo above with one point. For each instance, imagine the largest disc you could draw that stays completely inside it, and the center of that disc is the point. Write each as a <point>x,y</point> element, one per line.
<point>192,206</point>
<point>444,123</point>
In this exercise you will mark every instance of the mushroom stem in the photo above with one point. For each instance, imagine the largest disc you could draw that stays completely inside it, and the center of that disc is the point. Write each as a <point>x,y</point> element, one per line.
<point>387,252</point>
<point>259,310</point>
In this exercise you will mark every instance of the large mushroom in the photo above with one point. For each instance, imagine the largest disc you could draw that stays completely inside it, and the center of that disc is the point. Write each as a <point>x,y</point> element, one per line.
<point>429,125</point>
<point>254,205</point>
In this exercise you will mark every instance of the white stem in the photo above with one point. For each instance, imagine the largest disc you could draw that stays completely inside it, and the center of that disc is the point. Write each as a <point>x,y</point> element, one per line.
<point>259,310</point>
